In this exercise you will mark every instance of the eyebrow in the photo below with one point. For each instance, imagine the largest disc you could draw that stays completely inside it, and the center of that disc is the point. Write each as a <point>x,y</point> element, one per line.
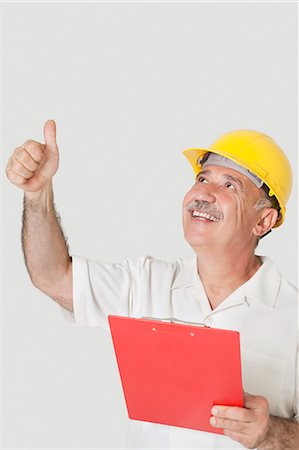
<point>226,175</point>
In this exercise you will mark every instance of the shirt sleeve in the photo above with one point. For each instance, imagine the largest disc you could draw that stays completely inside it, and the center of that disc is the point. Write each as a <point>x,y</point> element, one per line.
<point>99,289</point>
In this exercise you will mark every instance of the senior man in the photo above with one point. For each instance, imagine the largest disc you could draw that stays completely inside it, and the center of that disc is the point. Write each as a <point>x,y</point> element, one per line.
<point>243,182</point>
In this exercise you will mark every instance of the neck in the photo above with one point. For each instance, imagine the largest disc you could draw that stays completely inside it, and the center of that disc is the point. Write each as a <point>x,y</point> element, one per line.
<point>223,272</point>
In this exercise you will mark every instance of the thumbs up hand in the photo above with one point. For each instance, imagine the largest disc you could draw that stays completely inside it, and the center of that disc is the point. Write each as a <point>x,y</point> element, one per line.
<point>33,165</point>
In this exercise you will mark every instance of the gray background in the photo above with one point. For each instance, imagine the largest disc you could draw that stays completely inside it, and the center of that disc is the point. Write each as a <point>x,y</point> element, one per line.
<point>130,86</point>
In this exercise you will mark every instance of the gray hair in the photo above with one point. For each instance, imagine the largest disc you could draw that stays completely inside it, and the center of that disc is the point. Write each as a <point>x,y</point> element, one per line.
<point>263,202</point>
<point>267,202</point>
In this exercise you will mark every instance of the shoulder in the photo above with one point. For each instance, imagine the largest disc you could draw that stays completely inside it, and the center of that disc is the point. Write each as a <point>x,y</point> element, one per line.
<point>288,287</point>
<point>134,267</point>
<point>159,275</point>
<point>287,291</point>
<point>149,263</point>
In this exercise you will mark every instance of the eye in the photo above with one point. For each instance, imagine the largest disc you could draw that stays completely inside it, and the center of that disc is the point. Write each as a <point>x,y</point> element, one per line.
<point>201,179</point>
<point>229,185</point>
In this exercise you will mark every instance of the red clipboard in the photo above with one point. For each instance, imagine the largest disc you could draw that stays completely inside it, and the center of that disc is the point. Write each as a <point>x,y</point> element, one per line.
<point>173,373</point>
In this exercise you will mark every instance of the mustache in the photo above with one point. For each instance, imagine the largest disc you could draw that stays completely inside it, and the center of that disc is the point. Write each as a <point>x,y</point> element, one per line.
<point>204,206</point>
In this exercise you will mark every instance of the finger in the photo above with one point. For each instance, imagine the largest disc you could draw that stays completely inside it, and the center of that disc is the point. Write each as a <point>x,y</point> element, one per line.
<point>34,149</point>
<point>233,425</point>
<point>232,413</point>
<point>25,159</point>
<point>50,135</point>
<point>20,170</point>
<point>15,178</point>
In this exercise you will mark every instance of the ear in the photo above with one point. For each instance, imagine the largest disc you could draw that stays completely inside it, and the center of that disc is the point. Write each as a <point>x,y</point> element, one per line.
<point>267,221</point>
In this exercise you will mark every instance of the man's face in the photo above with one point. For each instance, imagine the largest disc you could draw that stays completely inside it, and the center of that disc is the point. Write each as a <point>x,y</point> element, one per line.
<point>219,209</point>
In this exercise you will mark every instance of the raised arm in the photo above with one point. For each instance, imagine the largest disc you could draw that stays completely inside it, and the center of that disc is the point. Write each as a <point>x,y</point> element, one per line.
<point>31,168</point>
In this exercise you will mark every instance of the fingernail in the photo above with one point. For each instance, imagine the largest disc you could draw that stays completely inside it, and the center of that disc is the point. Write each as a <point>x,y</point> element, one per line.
<point>214,411</point>
<point>212,421</point>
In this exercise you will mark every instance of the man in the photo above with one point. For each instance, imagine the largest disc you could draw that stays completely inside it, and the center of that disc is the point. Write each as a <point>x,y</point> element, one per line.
<point>242,185</point>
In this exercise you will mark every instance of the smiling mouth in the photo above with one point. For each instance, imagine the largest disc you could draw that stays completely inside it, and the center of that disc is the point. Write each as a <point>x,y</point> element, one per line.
<point>198,215</point>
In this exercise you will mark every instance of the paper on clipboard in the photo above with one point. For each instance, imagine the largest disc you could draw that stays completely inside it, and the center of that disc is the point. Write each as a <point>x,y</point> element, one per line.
<point>173,373</point>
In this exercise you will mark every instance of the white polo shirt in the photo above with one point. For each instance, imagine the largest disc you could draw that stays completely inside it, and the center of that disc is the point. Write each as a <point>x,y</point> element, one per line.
<point>264,310</point>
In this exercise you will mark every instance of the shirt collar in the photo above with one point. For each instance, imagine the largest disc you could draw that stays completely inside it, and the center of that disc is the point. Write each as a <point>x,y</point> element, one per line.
<point>263,286</point>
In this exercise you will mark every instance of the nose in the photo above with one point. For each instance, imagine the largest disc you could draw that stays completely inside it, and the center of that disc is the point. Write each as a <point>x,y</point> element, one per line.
<point>205,191</point>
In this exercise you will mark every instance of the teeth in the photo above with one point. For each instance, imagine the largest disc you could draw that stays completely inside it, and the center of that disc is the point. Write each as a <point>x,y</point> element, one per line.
<point>204,216</point>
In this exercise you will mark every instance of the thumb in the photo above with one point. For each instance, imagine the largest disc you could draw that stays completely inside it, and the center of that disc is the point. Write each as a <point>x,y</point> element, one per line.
<point>50,135</point>
<point>252,401</point>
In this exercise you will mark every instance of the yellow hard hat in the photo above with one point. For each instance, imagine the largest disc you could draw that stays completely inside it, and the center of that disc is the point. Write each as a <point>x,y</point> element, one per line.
<point>258,153</point>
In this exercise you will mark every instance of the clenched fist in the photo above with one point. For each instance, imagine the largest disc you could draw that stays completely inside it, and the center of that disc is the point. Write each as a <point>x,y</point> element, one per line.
<point>33,165</point>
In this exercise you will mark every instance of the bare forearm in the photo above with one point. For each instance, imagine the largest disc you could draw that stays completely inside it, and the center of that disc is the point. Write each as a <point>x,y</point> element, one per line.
<point>44,245</point>
<point>282,435</point>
